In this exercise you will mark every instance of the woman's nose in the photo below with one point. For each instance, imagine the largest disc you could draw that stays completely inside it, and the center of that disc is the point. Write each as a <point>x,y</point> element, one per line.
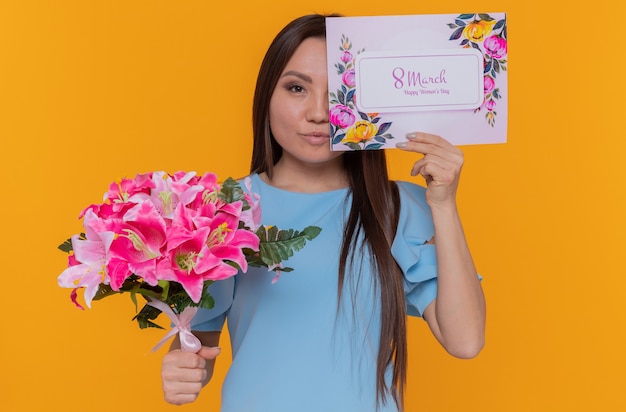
<point>318,110</point>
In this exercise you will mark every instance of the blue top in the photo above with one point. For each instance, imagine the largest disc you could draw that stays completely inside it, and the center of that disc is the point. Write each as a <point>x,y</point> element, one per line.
<point>293,350</point>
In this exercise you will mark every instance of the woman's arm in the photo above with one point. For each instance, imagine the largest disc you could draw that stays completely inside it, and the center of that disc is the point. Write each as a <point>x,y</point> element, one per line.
<point>184,374</point>
<point>457,316</point>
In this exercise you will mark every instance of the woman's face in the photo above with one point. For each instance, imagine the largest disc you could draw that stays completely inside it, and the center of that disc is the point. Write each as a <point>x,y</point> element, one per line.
<point>299,106</point>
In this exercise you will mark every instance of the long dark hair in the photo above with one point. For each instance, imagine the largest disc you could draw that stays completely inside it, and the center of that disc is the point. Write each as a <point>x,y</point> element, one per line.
<point>373,214</point>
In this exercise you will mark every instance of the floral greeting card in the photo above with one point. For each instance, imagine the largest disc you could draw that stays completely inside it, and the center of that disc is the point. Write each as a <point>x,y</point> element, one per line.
<point>444,74</point>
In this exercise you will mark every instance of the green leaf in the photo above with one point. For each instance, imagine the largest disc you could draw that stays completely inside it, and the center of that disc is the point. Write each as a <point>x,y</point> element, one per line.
<point>206,301</point>
<point>66,246</point>
<point>337,139</point>
<point>231,191</point>
<point>456,34</point>
<point>496,66</point>
<point>165,285</point>
<point>499,24</point>
<point>179,301</point>
<point>276,245</point>
<point>353,146</point>
<point>104,291</point>
<point>384,127</point>
<point>341,97</point>
<point>133,285</point>
<point>145,317</point>
<point>133,297</point>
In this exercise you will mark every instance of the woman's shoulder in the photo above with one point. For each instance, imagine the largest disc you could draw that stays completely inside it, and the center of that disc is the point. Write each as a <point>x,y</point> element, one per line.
<point>414,209</point>
<point>415,223</point>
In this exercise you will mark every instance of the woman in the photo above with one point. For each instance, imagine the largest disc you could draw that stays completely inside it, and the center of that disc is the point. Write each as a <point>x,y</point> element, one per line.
<point>331,335</point>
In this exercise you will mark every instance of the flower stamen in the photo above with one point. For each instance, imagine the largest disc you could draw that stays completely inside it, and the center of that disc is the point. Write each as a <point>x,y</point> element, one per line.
<point>166,201</point>
<point>187,262</point>
<point>210,196</point>
<point>218,235</point>
<point>139,244</point>
<point>122,196</point>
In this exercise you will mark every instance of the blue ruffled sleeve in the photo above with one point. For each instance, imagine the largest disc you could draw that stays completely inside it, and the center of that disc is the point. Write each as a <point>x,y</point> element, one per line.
<point>417,260</point>
<point>212,320</point>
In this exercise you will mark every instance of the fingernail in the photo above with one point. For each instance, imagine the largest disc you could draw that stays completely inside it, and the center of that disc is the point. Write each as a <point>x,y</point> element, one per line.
<point>401,145</point>
<point>411,135</point>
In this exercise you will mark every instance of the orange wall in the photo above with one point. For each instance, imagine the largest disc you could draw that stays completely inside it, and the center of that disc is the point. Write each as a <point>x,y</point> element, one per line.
<point>91,91</point>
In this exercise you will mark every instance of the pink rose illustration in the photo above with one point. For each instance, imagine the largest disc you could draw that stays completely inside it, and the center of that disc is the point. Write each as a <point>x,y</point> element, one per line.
<point>490,84</point>
<point>346,56</point>
<point>348,78</point>
<point>341,116</point>
<point>495,46</point>
<point>490,105</point>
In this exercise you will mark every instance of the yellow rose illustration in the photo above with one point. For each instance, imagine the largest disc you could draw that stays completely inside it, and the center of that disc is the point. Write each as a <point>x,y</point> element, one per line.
<point>360,132</point>
<point>478,30</point>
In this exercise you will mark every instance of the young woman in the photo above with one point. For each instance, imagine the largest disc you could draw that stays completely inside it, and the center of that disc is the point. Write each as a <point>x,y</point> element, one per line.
<point>331,335</point>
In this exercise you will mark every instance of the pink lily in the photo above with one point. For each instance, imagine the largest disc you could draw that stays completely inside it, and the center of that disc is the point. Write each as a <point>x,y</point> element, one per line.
<point>137,246</point>
<point>119,194</point>
<point>184,261</point>
<point>251,217</point>
<point>87,265</point>
<point>227,240</point>
<point>167,192</point>
<point>201,247</point>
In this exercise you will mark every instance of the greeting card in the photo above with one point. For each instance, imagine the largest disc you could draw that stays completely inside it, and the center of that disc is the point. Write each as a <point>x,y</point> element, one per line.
<point>444,74</point>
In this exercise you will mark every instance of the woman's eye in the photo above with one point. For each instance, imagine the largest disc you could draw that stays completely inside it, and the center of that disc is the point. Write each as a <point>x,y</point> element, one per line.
<point>296,88</point>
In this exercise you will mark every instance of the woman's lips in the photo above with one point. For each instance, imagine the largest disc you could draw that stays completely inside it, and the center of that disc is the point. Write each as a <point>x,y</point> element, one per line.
<point>316,138</point>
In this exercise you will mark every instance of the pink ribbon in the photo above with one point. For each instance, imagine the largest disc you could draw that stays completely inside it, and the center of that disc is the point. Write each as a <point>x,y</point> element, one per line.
<point>182,325</point>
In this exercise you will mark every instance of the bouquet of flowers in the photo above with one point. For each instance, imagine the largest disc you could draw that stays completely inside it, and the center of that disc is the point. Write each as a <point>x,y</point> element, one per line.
<point>167,237</point>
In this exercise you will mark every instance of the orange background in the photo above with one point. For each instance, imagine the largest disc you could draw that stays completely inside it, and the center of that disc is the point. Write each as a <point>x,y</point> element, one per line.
<point>91,91</point>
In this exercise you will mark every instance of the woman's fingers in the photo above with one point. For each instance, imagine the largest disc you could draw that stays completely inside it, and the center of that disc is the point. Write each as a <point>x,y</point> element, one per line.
<point>440,166</point>
<point>184,374</point>
<point>426,144</point>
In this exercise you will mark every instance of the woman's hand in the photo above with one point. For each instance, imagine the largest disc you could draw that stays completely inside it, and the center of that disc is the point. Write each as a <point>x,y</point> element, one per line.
<point>184,374</point>
<point>440,166</point>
